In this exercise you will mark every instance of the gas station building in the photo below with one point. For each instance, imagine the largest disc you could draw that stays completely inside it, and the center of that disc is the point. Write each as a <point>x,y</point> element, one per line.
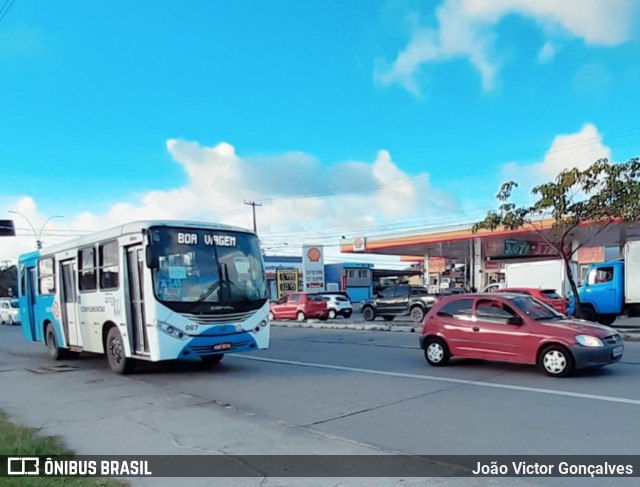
<point>456,257</point>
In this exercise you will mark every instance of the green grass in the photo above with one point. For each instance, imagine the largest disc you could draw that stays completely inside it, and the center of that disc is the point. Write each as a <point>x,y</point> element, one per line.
<point>17,440</point>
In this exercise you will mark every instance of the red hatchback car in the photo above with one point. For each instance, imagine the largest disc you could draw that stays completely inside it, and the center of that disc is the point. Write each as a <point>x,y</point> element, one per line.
<point>515,328</point>
<point>547,296</point>
<point>299,306</point>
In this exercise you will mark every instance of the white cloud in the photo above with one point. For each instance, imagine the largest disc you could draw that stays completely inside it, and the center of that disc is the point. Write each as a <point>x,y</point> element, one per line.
<point>580,149</point>
<point>340,199</point>
<point>547,52</point>
<point>465,29</point>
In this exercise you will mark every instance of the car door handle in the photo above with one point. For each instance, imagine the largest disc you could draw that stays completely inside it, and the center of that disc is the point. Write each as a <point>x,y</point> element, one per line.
<point>475,328</point>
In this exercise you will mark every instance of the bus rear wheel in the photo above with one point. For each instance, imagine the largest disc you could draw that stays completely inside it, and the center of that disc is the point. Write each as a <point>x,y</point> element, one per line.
<point>55,352</point>
<point>114,348</point>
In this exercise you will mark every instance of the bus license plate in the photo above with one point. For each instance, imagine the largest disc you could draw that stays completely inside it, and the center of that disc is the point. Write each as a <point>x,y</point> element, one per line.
<point>222,346</point>
<point>617,351</point>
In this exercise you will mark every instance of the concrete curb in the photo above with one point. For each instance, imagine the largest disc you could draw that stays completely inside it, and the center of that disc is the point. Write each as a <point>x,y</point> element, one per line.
<point>631,336</point>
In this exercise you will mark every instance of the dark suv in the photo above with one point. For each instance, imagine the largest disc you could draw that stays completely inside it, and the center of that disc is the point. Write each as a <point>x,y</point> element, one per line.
<point>399,300</point>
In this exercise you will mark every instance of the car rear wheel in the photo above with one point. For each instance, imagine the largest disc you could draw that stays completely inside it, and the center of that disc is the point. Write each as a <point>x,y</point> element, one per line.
<point>300,316</point>
<point>436,352</point>
<point>347,314</point>
<point>556,361</point>
<point>417,314</point>
<point>332,314</point>
<point>271,316</point>
<point>368,314</point>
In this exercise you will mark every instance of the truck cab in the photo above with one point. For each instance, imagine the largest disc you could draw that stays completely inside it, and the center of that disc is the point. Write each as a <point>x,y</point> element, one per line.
<point>602,292</point>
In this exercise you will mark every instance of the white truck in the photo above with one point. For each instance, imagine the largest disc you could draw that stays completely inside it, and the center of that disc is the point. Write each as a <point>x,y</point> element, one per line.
<point>547,274</point>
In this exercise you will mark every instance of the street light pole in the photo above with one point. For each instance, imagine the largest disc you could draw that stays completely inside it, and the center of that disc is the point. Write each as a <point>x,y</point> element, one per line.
<point>36,234</point>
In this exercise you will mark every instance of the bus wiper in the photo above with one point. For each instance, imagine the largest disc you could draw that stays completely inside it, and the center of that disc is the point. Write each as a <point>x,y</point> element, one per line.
<point>209,291</point>
<point>244,294</point>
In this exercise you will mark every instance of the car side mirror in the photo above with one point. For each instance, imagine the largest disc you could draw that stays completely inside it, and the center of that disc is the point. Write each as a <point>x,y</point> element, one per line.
<point>515,320</point>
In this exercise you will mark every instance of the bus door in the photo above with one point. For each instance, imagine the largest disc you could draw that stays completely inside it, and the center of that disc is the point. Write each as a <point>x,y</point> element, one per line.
<point>29,290</point>
<point>69,299</point>
<point>135,299</point>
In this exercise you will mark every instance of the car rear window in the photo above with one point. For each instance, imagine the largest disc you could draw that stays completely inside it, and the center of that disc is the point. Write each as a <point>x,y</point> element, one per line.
<point>550,294</point>
<point>341,299</point>
<point>312,297</point>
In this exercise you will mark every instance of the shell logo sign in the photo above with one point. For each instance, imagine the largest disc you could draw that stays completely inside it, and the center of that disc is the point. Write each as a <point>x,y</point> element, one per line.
<point>358,244</point>
<point>312,268</point>
<point>314,254</point>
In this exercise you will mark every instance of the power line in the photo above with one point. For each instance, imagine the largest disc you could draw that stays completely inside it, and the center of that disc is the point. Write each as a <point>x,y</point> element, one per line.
<point>4,12</point>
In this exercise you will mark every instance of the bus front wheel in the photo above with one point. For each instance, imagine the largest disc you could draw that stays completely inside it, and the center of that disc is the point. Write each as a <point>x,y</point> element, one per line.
<point>116,356</point>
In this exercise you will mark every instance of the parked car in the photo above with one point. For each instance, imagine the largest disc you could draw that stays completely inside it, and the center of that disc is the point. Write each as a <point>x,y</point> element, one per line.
<point>337,305</point>
<point>399,300</point>
<point>450,291</point>
<point>515,328</point>
<point>299,306</point>
<point>9,311</point>
<point>547,296</point>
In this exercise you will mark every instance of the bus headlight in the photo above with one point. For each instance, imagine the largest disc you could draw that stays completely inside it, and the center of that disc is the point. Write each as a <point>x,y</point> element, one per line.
<point>171,330</point>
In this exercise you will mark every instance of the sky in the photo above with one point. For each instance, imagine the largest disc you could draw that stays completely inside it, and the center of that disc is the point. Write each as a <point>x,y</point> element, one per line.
<point>340,118</point>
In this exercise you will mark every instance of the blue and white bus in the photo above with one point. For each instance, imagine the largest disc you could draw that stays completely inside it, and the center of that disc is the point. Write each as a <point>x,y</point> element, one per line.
<point>147,290</point>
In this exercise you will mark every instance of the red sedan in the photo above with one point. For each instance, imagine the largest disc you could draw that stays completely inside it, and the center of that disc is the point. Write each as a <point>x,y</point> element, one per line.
<point>547,296</point>
<point>515,328</point>
<point>299,306</point>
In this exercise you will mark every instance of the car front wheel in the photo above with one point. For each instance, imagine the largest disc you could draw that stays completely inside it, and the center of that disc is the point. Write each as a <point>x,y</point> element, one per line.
<point>436,352</point>
<point>332,314</point>
<point>556,361</point>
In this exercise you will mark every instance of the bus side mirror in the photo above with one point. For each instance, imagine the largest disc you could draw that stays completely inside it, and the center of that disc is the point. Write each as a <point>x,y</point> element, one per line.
<point>152,260</point>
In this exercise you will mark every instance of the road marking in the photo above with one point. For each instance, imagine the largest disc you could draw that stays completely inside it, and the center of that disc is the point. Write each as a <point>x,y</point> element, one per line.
<point>551,392</point>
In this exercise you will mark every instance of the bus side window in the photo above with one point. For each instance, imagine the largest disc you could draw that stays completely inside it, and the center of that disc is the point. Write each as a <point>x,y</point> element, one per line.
<point>109,267</point>
<point>46,276</point>
<point>87,269</point>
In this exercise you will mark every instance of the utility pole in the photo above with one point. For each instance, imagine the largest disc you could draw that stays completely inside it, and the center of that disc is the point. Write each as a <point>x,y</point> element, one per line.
<point>253,204</point>
<point>37,235</point>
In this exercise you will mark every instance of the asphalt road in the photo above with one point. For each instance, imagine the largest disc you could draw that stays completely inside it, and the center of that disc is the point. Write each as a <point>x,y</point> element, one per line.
<point>376,388</point>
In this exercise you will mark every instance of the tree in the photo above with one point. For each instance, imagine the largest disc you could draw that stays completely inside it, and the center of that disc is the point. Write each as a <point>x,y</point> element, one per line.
<point>9,281</point>
<point>599,195</point>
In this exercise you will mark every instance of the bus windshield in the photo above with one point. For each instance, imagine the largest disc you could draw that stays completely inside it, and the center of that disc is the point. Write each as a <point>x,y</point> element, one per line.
<point>206,266</point>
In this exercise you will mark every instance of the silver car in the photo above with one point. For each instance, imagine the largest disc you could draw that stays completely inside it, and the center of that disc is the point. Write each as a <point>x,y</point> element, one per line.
<point>338,305</point>
<point>9,311</point>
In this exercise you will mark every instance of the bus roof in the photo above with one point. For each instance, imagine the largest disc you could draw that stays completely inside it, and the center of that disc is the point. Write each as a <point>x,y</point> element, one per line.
<point>127,228</point>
